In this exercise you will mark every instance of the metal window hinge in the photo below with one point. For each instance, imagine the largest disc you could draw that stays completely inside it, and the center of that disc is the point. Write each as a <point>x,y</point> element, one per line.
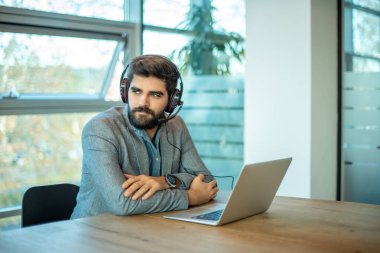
<point>12,94</point>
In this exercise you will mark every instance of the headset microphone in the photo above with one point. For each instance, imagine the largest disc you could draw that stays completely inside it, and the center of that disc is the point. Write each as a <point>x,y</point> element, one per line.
<point>166,119</point>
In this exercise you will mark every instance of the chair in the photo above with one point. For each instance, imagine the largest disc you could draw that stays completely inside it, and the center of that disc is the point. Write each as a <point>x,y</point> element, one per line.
<point>48,203</point>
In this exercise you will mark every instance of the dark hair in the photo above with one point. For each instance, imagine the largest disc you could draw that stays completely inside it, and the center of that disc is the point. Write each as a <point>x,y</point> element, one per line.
<point>157,66</point>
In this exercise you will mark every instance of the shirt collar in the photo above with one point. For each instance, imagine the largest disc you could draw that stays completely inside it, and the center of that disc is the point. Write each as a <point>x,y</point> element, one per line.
<point>144,136</point>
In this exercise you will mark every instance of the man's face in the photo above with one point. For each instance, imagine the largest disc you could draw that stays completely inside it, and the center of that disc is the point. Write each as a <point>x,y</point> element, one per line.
<point>147,99</point>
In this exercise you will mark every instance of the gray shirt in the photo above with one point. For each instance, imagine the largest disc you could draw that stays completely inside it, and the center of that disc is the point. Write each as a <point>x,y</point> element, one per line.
<point>111,148</point>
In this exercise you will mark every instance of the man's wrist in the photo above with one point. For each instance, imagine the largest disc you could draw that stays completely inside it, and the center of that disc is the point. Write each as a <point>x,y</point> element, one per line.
<point>164,183</point>
<point>190,196</point>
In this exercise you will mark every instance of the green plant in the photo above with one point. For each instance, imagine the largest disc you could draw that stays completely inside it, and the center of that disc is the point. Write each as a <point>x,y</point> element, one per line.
<point>209,51</point>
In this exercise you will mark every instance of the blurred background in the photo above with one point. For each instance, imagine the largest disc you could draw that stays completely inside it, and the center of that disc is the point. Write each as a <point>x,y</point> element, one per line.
<point>61,61</point>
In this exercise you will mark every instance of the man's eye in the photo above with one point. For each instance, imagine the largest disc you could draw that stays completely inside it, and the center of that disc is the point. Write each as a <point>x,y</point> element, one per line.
<point>135,91</point>
<point>157,95</point>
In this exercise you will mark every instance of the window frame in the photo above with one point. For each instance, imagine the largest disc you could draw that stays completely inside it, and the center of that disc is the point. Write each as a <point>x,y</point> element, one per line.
<point>349,53</point>
<point>126,33</point>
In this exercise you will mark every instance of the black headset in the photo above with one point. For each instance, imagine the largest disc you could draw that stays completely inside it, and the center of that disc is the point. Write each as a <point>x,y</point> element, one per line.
<point>174,101</point>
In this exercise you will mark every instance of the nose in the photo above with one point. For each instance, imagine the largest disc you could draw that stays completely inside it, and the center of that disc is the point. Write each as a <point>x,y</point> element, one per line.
<point>144,101</point>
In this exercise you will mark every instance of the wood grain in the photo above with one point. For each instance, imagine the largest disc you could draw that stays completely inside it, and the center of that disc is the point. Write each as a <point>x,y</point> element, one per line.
<point>290,225</point>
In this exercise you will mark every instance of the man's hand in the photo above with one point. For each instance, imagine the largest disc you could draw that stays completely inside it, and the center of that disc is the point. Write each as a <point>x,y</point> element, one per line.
<point>201,192</point>
<point>143,185</point>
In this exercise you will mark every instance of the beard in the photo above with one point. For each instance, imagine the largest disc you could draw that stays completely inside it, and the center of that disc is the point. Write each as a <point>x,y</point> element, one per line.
<point>148,121</point>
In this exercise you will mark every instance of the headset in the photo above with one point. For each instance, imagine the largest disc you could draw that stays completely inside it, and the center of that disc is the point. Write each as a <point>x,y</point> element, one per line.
<point>174,102</point>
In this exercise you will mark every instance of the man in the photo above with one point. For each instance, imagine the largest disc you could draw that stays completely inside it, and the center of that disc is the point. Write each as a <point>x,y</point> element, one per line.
<point>139,158</point>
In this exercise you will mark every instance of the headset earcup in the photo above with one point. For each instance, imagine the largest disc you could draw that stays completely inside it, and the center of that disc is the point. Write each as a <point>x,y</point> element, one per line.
<point>173,102</point>
<point>124,90</point>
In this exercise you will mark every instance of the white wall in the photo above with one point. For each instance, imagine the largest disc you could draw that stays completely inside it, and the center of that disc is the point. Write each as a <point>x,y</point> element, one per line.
<point>291,91</point>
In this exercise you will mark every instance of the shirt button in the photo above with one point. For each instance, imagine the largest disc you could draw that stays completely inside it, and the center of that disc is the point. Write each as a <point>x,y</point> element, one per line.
<point>157,158</point>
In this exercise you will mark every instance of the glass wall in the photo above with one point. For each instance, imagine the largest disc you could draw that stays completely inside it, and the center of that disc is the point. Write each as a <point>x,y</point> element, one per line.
<point>361,102</point>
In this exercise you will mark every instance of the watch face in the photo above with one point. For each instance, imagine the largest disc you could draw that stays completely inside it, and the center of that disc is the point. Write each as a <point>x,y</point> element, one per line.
<point>171,180</point>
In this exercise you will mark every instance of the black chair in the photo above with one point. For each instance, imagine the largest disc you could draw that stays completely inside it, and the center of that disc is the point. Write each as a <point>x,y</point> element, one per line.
<point>48,203</point>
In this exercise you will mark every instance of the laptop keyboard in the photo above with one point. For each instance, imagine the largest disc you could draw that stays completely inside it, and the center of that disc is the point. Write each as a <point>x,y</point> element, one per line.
<point>210,216</point>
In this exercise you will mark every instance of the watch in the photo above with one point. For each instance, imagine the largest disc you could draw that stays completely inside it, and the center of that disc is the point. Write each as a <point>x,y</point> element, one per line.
<point>171,181</point>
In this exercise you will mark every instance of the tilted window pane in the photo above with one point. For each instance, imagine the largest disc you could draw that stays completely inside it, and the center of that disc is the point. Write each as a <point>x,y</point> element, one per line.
<point>37,150</point>
<point>106,9</point>
<point>42,64</point>
<point>165,13</point>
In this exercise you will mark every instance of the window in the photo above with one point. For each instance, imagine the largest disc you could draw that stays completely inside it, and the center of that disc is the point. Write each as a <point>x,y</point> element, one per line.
<point>38,149</point>
<point>360,147</point>
<point>60,63</point>
<point>106,9</point>
<point>362,50</point>
<point>42,64</point>
<point>165,13</point>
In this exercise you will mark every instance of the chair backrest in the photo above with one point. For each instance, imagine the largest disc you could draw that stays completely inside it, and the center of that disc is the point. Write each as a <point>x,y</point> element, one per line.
<point>48,203</point>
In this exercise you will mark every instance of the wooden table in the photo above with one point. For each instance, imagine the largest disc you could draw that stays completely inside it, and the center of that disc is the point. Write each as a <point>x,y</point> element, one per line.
<point>290,225</point>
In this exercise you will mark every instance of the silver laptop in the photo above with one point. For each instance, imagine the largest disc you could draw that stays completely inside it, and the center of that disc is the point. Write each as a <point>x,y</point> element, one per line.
<point>253,194</point>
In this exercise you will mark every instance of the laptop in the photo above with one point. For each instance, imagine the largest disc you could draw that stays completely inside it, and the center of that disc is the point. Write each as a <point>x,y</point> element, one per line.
<point>253,194</point>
